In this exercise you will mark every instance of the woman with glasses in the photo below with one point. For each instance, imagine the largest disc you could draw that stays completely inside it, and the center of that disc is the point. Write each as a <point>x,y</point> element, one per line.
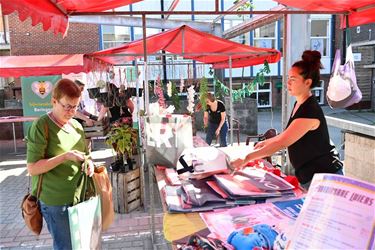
<point>56,149</point>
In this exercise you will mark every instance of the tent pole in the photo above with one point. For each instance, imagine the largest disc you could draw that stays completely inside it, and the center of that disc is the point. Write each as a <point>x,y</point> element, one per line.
<point>285,102</point>
<point>284,106</point>
<point>150,167</point>
<point>141,151</point>
<point>145,64</point>
<point>230,100</point>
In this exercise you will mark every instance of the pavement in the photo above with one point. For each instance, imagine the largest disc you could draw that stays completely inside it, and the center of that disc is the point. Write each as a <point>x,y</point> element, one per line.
<point>129,231</point>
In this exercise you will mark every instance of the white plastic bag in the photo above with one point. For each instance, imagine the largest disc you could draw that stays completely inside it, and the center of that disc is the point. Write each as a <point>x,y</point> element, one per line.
<point>342,89</point>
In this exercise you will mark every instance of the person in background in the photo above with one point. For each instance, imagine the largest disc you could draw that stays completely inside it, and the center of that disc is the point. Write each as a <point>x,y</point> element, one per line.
<point>306,135</point>
<point>56,149</point>
<point>214,119</point>
<point>123,113</point>
<point>82,115</point>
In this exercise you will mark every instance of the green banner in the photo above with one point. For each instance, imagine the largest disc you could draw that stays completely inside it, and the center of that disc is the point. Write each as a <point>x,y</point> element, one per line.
<point>36,96</point>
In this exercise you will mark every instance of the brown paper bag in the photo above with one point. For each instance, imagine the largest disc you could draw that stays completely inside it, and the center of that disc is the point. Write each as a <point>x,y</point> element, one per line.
<point>104,189</point>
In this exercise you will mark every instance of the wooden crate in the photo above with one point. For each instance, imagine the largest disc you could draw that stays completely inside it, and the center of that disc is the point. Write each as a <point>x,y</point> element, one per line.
<point>126,190</point>
<point>99,129</point>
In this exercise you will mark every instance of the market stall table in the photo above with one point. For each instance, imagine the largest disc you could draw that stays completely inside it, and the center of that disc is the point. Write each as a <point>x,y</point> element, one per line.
<point>177,228</point>
<point>14,119</point>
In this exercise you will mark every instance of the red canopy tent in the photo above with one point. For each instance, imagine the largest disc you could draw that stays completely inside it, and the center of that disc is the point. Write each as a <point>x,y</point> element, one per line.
<point>54,14</point>
<point>192,44</point>
<point>40,65</point>
<point>360,11</point>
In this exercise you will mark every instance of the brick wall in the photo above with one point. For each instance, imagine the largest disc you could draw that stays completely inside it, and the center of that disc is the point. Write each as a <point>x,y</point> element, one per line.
<point>32,40</point>
<point>26,39</point>
<point>360,157</point>
<point>364,76</point>
<point>364,33</point>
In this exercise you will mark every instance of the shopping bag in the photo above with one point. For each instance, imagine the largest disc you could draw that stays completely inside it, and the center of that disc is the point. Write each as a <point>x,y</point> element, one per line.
<point>85,216</point>
<point>342,89</point>
<point>104,188</point>
<point>202,162</point>
<point>85,221</point>
<point>166,137</point>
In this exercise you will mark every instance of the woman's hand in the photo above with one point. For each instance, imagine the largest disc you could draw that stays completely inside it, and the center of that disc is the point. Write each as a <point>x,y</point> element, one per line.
<point>75,155</point>
<point>260,144</point>
<point>90,167</point>
<point>89,123</point>
<point>217,132</point>
<point>238,164</point>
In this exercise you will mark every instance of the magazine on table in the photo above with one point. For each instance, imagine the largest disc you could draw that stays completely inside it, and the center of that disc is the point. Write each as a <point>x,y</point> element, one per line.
<point>265,180</point>
<point>178,200</point>
<point>279,214</point>
<point>338,213</point>
<point>240,186</point>
<point>254,182</point>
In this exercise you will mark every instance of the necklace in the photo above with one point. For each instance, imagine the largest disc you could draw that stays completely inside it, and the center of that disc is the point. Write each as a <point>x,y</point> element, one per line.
<point>67,126</point>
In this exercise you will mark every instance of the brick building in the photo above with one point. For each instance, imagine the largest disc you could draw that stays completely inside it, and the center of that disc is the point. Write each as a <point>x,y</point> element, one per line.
<point>26,39</point>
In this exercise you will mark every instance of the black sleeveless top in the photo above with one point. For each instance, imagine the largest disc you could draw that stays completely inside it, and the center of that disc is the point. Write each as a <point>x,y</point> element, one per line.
<point>313,152</point>
<point>117,113</point>
<point>215,117</point>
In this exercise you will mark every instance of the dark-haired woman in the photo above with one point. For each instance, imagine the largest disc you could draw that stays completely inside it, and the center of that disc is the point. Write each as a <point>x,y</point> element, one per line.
<point>214,119</point>
<point>306,135</point>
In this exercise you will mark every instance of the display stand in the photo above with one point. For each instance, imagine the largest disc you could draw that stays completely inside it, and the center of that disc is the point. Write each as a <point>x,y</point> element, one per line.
<point>126,190</point>
<point>99,129</point>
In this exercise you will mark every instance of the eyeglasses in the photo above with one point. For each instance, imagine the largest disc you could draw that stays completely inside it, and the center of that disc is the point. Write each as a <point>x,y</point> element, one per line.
<point>68,107</point>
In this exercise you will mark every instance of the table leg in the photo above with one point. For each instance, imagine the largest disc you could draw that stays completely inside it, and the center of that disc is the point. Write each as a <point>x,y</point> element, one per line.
<point>152,200</point>
<point>14,138</point>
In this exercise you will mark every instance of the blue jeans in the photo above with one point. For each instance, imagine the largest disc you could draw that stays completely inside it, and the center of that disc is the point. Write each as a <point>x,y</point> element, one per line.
<point>307,184</point>
<point>211,129</point>
<point>57,220</point>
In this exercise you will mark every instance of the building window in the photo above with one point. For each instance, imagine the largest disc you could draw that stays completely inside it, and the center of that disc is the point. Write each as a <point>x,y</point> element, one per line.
<point>319,39</point>
<point>115,35</point>
<point>243,38</point>
<point>263,95</point>
<point>319,36</point>
<point>265,37</point>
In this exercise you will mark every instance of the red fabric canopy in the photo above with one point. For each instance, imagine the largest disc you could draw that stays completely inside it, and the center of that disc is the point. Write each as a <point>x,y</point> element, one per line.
<point>192,44</point>
<point>55,16</point>
<point>41,65</point>
<point>361,11</point>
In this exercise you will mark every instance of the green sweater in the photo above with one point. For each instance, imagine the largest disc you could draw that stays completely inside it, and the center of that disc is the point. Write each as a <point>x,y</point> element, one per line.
<point>60,183</point>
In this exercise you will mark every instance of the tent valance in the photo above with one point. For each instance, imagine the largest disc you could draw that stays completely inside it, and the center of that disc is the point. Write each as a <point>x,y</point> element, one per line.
<point>54,14</point>
<point>40,65</point>
<point>360,11</point>
<point>191,44</point>
<point>185,41</point>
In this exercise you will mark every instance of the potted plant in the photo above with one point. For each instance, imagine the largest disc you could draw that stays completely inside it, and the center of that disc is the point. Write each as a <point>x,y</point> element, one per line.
<point>123,139</point>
